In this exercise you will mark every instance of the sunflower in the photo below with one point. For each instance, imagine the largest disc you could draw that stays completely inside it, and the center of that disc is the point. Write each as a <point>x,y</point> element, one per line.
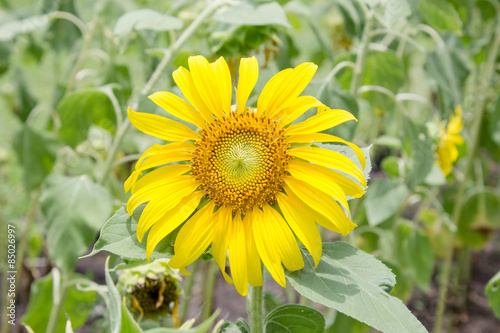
<point>262,180</point>
<point>450,138</point>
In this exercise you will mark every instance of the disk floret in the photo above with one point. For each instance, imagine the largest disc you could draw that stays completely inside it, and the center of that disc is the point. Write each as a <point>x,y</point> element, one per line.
<point>241,160</point>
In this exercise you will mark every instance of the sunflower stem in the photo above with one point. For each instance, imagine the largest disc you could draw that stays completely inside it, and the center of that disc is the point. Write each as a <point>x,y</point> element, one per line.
<point>209,290</point>
<point>255,309</point>
<point>125,125</point>
<point>457,209</point>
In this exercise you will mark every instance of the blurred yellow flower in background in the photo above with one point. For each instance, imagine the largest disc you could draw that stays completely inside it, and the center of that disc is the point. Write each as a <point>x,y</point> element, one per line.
<point>450,138</point>
<point>262,180</point>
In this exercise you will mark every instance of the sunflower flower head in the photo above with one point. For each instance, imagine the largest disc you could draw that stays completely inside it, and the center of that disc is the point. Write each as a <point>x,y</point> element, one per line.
<point>263,181</point>
<point>449,139</point>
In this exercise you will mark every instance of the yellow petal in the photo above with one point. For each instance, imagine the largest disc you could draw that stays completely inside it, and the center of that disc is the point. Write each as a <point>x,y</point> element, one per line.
<point>194,237</point>
<point>336,219</point>
<point>455,124</point>
<point>238,256</point>
<point>302,224</point>
<point>162,149</point>
<point>162,156</point>
<point>223,80</point>
<point>222,238</point>
<point>206,83</point>
<point>297,108</point>
<point>321,122</point>
<point>253,258</point>
<point>266,246</point>
<point>330,159</point>
<point>162,175</point>
<point>248,75</point>
<point>322,137</point>
<point>161,205</point>
<point>268,92</point>
<point>285,91</point>
<point>327,176</point>
<point>178,107</point>
<point>166,171</point>
<point>283,239</point>
<point>161,127</point>
<point>170,221</point>
<point>183,185</point>
<point>185,82</point>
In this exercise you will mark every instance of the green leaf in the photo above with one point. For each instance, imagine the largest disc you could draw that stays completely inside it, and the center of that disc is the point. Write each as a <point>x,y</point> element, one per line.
<point>492,291</point>
<point>129,325</point>
<point>449,66</point>
<point>74,209</point>
<point>202,328</point>
<point>229,327</point>
<point>440,15</point>
<point>271,302</point>
<point>353,16</point>
<point>395,10</point>
<point>480,217</point>
<point>418,146</point>
<point>12,29</point>
<point>37,152</point>
<point>114,302</point>
<point>381,68</point>
<point>383,199</point>
<point>294,318</point>
<point>28,328</point>
<point>76,304</point>
<point>81,109</point>
<point>415,253</point>
<point>246,14</point>
<point>354,283</point>
<point>119,236</point>
<point>243,325</point>
<point>69,328</point>
<point>390,165</point>
<point>25,102</point>
<point>494,123</point>
<point>62,34</point>
<point>5,51</point>
<point>146,19</point>
<point>344,323</point>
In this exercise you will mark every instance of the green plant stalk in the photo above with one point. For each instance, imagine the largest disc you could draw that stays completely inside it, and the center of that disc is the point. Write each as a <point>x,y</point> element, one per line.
<point>188,288</point>
<point>123,128</point>
<point>209,287</point>
<point>476,131</point>
<point>87,37</point>
<point>255,309</point>
<point>357,75</point>
<point>58,296</point>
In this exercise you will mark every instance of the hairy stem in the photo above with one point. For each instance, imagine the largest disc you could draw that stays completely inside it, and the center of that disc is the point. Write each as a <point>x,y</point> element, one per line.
<point>255,309</point>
